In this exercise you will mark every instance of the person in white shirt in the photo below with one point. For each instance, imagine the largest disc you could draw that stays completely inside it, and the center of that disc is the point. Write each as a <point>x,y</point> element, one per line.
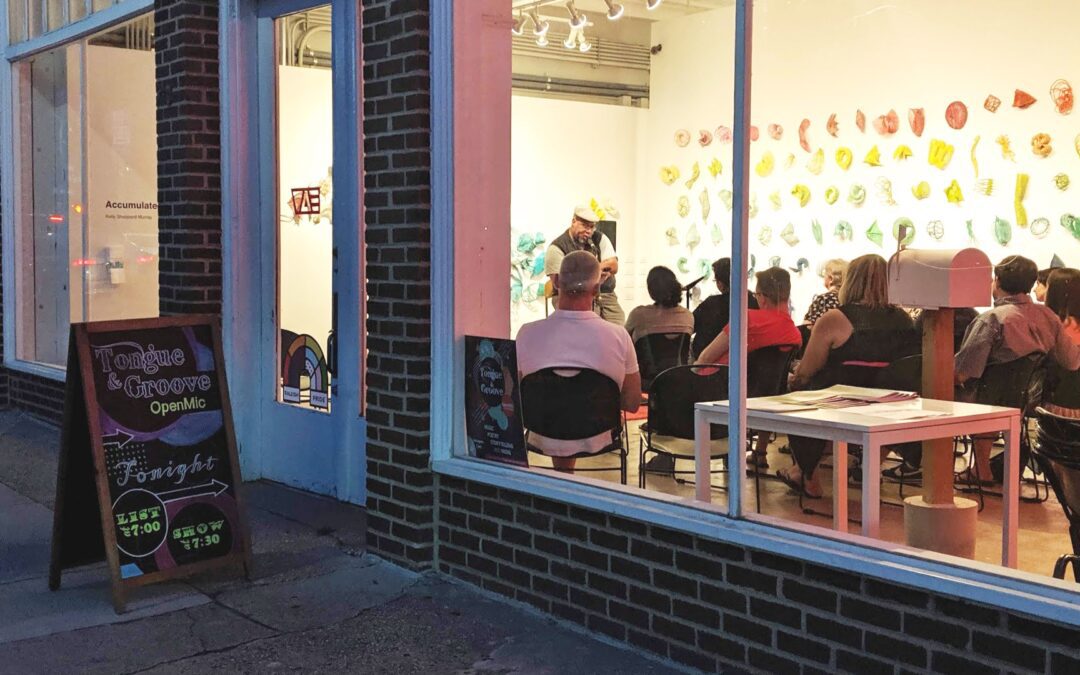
<point>575,336</point>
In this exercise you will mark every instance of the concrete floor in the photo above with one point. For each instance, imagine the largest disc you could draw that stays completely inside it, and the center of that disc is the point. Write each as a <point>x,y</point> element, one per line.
<point>1043,533</point>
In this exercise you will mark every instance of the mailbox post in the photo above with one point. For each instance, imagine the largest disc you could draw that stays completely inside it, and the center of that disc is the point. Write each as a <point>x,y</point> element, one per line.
<point>938,282</point>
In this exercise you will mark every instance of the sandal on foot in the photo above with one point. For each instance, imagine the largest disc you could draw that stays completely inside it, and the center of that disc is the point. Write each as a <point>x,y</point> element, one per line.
<point>796,485</point>
<point>757,460</point>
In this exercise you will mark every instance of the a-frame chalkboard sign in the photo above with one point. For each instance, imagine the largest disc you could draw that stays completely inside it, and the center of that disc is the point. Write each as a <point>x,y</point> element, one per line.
<point>148,477</point>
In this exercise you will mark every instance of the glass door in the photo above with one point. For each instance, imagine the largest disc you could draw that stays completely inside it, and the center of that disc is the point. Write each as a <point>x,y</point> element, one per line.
<point>309,429</point>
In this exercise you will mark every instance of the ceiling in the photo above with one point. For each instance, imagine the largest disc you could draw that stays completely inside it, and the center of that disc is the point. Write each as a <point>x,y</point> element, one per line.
<point>634,9</point>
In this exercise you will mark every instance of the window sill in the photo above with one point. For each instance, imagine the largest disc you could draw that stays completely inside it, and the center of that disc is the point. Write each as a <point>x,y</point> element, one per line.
<point>1046,598</point>
<point>48,372</point>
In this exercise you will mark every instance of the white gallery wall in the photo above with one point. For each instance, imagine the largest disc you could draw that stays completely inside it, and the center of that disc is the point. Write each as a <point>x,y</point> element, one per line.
<point>564,153</point>
<point>305,157</point>
<point>812,59</point>
<point>122,217</point>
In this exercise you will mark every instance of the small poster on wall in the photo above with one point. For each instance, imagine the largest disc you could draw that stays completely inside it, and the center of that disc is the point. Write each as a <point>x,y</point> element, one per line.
<point>493,401</point>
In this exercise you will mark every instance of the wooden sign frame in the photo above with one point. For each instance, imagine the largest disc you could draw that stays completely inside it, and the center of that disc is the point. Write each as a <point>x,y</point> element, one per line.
<point>82,461</point>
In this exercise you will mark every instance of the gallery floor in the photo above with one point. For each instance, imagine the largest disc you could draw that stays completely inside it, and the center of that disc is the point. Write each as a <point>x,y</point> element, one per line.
<point>1043,534</point>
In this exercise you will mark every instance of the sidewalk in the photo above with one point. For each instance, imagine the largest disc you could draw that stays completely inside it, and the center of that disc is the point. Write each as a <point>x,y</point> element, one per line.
<point>314,604</point>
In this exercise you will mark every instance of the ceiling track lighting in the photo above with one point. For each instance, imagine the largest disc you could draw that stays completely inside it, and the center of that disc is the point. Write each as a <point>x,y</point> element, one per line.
<point>541,40</point>
<point>519,24</point>
<point>614,10</point>
<point>577,19</point>
<point>572,39</point>
<point>652,4</point>
<point>540,26</point>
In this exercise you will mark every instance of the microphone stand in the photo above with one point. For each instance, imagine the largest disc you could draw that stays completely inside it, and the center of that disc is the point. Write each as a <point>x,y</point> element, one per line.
<point>689,287</point>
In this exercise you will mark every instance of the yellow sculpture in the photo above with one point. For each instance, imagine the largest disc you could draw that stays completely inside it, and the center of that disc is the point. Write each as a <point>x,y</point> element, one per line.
<point>802,193</point>
<point>873,158</point>
<point>940,154</point>
<point>817,162</point>
<point>1018,199</point>
<point>901,153</point>
<point>843,158</point>
<point>669,174</point>
<point>715,167</point>
<point>953,193</point>
<point>921,191</point>
<point>765,165</point>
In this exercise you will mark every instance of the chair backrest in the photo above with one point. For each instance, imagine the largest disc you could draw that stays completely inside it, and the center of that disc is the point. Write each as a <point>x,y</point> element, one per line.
<point>658,352</point>
<point>1058,454</point>
<point>767,370</point>
<point>675,391</point>
<point>570,403</point>
<point>1015,384</point>
<point>1062,387</point>
<point>902,375</point>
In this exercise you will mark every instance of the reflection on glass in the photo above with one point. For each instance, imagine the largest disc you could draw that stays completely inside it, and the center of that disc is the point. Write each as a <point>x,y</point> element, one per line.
<point>305,207</point>
<point>86,191</point>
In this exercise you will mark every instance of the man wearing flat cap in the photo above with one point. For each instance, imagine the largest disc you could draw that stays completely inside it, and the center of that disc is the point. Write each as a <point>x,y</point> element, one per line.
<point>582,235</point>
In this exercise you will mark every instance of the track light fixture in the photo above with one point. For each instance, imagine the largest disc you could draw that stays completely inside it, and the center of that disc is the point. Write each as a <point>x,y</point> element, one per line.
<point>614,10</point>
<point>541,40</point>
<point>577,19</point>
<point>652,4</point>
<point>519,24</point>
<point>540,26</point>
<point>583,44</point>
<point>571,40</point>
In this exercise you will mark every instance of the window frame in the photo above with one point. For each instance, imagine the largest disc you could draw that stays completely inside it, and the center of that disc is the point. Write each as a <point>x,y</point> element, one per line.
<point>1004,588</point>
<point>9,145</point>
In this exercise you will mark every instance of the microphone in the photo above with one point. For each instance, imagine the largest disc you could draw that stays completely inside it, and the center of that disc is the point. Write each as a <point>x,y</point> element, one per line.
<point>689,287</point>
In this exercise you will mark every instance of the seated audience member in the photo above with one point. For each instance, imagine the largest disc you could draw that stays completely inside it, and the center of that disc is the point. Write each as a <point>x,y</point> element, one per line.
<point>1062,388</point>
<point>713,313</point>
<point>768,326</point>
<point>830,299</point>
<point>865,331</point>
<point>1040,284</point>
<point>962,318</point>
<point>576,337</point>
<point>1016,327</point>
<point>665,315</point>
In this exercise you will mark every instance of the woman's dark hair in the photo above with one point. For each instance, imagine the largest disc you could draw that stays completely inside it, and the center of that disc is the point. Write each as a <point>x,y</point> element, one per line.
<point>1063,293</point>
<point>664,287</point>
<point>1044,276</point>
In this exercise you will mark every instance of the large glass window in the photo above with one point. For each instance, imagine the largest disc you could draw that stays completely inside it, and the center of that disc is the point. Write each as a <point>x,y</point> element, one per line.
<point>86,219</point>
<point>622,113</point>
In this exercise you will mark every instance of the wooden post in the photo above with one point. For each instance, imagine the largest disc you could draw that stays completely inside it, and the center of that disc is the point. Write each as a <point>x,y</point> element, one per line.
<point>937,383</point>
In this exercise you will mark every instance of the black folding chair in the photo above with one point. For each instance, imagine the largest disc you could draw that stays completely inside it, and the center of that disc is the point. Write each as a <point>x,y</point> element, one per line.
<point>658,352</point>
<point>669,430</point>
<point>901,375</point>
<point>1057,451</point>
<point>1015,384</point>
<point>568,403</point>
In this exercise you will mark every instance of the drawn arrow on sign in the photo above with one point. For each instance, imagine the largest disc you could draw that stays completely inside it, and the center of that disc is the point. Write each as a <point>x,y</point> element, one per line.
<point>117,439</point>
<point>214,487</point>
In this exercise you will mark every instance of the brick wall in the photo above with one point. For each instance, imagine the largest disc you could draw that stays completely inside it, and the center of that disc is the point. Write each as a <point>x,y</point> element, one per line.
<point>397,205</point>
<point>714,606</point>
<point>189,156</point>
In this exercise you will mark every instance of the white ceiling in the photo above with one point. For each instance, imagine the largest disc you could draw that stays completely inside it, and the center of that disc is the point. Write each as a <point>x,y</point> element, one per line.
<point>635,9</point>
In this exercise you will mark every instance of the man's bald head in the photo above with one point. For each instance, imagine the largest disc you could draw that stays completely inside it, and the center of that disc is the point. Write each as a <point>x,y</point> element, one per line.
<point>579,273</point>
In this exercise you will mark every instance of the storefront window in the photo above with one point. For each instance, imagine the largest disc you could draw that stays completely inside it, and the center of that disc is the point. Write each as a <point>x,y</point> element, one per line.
<point>85,187</point>
<point>857,146</point>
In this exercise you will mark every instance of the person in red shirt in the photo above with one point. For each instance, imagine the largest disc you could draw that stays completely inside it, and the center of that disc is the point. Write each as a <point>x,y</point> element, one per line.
<point>768,326</point>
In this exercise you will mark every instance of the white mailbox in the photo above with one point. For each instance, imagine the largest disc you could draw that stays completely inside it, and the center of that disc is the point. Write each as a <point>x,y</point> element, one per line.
<point>935,279</point>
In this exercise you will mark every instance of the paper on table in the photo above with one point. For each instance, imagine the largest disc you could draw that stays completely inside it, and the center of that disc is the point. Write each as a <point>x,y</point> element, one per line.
<point>773,405</point>
<point>904,410</point>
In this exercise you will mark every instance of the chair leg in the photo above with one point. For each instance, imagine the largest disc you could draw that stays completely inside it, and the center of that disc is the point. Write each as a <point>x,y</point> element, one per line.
<point>1063,563</point>
<point>641,462</point>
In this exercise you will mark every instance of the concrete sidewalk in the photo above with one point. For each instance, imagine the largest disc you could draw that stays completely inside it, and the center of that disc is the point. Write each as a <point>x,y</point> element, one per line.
<point>315,602</point>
